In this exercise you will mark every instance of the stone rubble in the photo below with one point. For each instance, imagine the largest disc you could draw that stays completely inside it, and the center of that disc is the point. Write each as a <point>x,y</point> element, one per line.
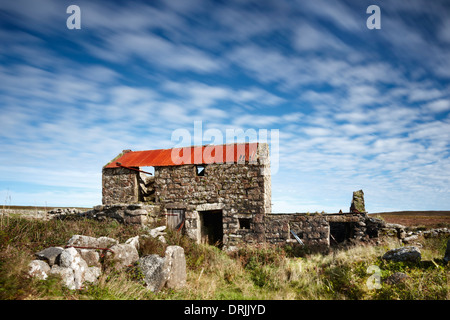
<point>81,261</point>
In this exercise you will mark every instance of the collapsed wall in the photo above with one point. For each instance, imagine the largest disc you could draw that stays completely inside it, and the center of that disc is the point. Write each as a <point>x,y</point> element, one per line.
<point>119,185</point>
<point>319,231</point>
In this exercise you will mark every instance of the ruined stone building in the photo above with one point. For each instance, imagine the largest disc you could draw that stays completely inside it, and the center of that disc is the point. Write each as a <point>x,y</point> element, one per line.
<point>217,194</point>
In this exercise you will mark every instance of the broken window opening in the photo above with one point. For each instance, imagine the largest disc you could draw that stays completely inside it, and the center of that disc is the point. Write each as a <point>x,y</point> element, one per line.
<point>146,182</point>
<point>244,223</point>
<point>200,170</point>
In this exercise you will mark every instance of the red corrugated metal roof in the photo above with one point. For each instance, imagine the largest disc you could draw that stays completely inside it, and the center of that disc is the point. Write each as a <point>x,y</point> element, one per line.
<point>228,153</point>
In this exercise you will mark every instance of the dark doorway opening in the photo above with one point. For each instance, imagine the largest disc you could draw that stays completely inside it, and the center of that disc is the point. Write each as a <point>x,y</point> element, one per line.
<point>340,231</point>
<point>211,227</point>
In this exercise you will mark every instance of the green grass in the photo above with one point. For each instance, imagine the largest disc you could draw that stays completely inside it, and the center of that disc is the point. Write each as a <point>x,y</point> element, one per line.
<point>253,272</point>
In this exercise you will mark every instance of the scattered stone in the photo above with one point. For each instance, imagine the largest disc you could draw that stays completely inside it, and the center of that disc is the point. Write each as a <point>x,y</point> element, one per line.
<point>134,242</point>
<point>124,255</point>
<point>175,265</point>
<point>411,238</point>
<point>76,266</point>
<point>153,268</point>
<point>92,274</point>
<point>92,257</point>
<point>39,269</point>
<point>66,275</point>
<point>106,242</point>
<point>49,255</point>
<point>98,208</point>
<point>436,232</point>
<point>91,242</point>
<point>404,254</point>
<point>396,278</point>
<point>156,232</point>
<point>70,258</point>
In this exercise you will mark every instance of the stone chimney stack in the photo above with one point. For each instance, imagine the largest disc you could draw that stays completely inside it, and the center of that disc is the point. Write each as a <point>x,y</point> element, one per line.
<point>357,205</point>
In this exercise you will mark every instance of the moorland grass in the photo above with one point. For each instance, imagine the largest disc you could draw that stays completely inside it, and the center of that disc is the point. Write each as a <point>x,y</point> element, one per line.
<point>252,272</point>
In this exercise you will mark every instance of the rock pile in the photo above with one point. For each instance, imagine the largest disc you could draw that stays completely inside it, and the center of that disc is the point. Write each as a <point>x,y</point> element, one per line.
<point>81,261</point>
<point>436,232</point>
<point>67,263</point>
<point>65,211</point>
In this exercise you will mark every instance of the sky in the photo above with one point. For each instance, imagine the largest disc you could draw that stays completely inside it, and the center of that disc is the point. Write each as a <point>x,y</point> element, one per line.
<point>345,106</point>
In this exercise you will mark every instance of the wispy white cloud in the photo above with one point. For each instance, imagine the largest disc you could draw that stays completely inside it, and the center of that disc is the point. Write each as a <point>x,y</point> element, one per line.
<point>355,108</point>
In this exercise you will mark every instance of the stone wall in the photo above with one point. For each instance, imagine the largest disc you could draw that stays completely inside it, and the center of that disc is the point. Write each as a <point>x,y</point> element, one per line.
<point>120,185</point>
<point>320,230</point>
<point>313,230</point>
<point>138,213</point>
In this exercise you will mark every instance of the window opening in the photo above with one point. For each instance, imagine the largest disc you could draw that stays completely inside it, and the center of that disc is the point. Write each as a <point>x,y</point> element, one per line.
<point>244,223</point>
<point>200,170</point>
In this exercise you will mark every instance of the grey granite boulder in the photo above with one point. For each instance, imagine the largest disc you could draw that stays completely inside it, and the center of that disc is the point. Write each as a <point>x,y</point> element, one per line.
<point>404,254</point>
<point>155,273</point>
<point>49,255</point>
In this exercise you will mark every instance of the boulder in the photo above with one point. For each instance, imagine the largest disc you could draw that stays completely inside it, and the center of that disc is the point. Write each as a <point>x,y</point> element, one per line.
<point>404,254</point>
<point>71,259</point>
<point>49,255</point>
<point>92,274</point>
<point>124,254</point>
<point>92,257</point>
<point>154,271</point>
<point>411,238</point>
<point>134,242</point>
<point>156,232</point>
<point>135,219</point>
<point>91,242</point>
<point>396,278</point>
<point>106,242</point>
<point>175,265</point>
<point>136,212</point>
<point>74,270</point>
<point>66,275</point>
<point>39,269</point>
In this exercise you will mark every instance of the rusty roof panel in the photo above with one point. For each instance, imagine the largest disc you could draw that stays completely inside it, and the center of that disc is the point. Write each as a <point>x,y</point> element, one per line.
<point>229,153</point>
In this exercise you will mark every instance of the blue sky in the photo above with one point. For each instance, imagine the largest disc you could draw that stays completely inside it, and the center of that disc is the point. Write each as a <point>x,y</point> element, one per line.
<point>355,108</point>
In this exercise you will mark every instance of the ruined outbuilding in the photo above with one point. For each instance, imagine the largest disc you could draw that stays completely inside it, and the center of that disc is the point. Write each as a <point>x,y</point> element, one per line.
<point>219,195</point>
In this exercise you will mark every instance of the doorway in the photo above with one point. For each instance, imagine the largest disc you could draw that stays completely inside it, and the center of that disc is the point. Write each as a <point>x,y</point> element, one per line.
<point>211,227</point>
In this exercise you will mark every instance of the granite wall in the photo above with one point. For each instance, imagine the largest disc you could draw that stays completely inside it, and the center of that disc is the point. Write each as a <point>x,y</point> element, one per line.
<point>240,192</point>
<point>119,185</point>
